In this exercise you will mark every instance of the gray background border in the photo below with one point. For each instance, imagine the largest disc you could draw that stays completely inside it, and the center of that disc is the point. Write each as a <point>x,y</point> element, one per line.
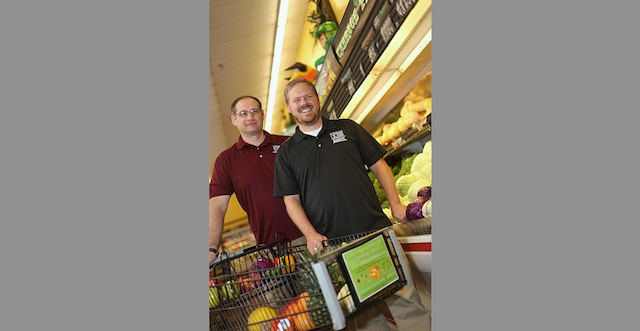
<point>104,155</point>
<point>104,136</point>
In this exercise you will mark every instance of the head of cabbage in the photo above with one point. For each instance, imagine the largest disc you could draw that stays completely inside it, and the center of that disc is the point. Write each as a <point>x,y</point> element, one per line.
<point>412,194</point>
<point>425,172</point>
<point>404,183</point>
<point>421,161</point>
<point>427,148</point>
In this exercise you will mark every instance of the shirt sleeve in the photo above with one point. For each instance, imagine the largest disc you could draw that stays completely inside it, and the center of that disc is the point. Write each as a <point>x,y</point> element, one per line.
<point>370,150</point>
<point>284,181</point>
<point>221,183</point>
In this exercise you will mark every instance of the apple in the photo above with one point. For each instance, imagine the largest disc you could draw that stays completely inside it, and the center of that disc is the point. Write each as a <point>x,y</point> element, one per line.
<point>214,297</point>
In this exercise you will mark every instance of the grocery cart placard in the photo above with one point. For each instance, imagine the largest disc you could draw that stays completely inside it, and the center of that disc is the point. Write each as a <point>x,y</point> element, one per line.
<point>371,267</point>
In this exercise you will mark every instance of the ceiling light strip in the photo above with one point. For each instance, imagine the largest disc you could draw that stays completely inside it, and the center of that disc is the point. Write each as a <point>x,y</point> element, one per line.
<point>275,66</point>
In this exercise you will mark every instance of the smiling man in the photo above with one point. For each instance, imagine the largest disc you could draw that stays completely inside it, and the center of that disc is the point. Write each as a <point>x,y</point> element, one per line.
<point>321,174</point>
<point>246,169</point>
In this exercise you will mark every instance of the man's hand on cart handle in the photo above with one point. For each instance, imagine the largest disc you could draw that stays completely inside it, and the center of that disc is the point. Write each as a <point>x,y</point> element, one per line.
<point>399,212</point>
<point>315,243</point>
<point>213,254</point>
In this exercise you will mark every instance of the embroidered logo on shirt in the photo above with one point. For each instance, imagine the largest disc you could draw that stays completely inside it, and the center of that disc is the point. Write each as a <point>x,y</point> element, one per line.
<point>337,136</point>
<point>276,148</point>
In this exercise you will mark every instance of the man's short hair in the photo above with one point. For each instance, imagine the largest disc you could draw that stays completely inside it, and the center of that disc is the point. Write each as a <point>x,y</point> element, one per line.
<point>233,104</point>
<point>294,82</point>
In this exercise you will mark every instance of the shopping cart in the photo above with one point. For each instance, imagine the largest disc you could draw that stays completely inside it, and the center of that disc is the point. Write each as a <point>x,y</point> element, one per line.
<point>299,291</point>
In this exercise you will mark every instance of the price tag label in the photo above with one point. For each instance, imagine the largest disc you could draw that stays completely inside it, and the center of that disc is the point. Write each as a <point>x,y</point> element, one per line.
<point>388,30</point>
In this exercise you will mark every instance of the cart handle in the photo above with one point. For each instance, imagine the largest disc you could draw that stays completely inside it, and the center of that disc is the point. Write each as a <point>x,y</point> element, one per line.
<point>330,298</point>
<point>400,253</point>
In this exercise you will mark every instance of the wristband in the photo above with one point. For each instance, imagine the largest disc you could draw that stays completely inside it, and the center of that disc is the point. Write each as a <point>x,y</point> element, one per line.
<point>213,250</point>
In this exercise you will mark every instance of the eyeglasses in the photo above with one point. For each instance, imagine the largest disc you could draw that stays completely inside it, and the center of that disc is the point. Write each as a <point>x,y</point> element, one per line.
<point>244,113</point>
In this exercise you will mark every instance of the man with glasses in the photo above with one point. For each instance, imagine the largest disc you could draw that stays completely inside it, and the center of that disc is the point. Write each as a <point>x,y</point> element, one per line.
<point>246,169</point>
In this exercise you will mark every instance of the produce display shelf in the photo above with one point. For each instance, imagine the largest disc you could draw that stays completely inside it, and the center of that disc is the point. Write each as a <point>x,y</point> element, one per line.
<point>419,132</point>
<point>304,292</point>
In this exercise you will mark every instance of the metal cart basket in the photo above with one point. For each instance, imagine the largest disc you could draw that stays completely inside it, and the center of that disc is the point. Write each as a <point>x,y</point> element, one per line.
<point>282,287</point>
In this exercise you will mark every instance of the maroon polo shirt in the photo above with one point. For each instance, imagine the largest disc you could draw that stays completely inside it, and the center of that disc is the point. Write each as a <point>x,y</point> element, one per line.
<point>247,171</point>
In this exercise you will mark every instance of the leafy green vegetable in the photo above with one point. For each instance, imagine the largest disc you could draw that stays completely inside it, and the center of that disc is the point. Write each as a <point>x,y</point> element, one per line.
<point>420,162</point>
<point>425,172</point>
<point>404,183</point>
<point>387,211</point>
<point>372,177</point>
<point>412,194</point>
<point>382,197</point>
<point>427,148</point>
<point>396,168</point>
<point>406,166</point>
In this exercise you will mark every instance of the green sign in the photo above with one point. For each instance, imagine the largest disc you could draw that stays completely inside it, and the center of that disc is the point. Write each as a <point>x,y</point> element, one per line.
<point>371,267</point>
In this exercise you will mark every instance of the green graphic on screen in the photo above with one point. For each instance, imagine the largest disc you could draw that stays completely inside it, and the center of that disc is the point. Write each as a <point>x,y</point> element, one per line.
<point>370,267</point>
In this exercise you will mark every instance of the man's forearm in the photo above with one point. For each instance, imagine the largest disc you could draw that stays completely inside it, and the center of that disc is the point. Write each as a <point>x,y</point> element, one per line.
<point>298,215</point>
<point>215,230</point>
<point>217,210</point>
<point>385,177</point>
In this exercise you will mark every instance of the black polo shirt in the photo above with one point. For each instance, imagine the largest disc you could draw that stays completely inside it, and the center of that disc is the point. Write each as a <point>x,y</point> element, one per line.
<point>329,174</point>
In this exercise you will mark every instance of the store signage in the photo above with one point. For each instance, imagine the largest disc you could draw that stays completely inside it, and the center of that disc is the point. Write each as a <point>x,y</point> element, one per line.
<point>356,14</point>
<point>367,28</point>
<point>353,21</point>
<point>370,267</point>
<point>327,75</point>
<point>403,7</point>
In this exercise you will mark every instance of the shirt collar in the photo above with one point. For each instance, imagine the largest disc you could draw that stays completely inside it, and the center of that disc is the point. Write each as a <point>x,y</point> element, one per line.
<point>326,125</point>
<point>269,139</point>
